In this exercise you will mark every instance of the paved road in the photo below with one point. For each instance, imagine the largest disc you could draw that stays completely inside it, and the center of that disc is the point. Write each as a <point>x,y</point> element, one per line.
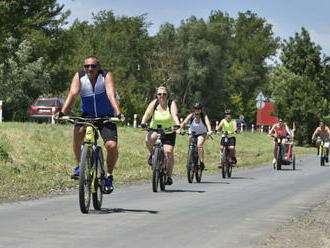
<point>237,212</point>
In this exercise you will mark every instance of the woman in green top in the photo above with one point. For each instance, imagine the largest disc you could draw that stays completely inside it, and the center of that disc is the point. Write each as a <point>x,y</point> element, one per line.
<point>229,125</point>
<point>163,112</point>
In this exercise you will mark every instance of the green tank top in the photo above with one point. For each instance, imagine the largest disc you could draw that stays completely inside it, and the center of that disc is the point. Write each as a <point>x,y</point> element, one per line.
<point>228,126</point>
<point>162,118</point>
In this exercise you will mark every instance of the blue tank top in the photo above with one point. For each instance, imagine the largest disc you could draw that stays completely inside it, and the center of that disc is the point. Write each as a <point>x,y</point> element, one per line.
<point>94,102</point>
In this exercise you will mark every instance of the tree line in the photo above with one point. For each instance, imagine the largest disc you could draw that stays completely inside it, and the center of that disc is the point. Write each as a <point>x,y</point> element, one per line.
<point>220,61</point>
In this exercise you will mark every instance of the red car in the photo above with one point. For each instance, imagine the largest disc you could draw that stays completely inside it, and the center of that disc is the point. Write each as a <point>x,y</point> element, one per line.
<point>41,109</point>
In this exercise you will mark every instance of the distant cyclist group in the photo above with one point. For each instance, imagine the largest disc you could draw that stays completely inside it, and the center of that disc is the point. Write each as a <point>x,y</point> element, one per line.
<point>96,88</point>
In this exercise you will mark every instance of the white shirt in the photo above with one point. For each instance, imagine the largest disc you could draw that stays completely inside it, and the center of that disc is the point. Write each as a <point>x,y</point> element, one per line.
<point>198,128</point>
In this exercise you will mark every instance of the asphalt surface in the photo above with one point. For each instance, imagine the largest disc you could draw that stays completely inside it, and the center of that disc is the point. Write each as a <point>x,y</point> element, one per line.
<point>236,212</point>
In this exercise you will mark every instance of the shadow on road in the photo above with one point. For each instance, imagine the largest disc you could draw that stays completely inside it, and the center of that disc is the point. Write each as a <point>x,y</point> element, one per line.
<point>214,182</point>
<point>250,178</point>
<point>183,190</point>
<point>121,210</point>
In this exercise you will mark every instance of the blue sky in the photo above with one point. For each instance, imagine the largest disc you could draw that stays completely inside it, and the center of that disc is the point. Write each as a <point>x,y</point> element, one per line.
<point>286,16</point>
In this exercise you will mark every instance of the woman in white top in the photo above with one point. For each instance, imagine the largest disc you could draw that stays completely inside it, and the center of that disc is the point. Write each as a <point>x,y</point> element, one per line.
<point>200,124</point>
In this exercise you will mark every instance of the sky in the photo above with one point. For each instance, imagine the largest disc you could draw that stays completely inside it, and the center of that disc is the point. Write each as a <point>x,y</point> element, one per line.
<point>286,16</point>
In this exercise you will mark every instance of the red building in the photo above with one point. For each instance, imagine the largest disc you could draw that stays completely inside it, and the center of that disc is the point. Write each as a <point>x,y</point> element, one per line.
<point>266,115</point>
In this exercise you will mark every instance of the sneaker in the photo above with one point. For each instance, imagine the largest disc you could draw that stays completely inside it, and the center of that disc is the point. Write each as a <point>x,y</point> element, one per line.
<point>150,160</point>
<point>108,188</point>
<point>75,174</point>
<point>219,165</point>
<point>202,166</point>
<point>169,181</point>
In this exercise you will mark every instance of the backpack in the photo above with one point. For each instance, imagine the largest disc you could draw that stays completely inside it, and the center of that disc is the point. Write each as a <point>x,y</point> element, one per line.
<point>169,103</point>
<point>202,118</point>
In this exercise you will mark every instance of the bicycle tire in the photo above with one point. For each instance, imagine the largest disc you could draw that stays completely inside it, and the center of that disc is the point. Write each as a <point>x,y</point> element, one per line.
<point>155,169</point>
<point>322,156</point>
<point>199,171</point>
<point>278,158</point>
<point>85,179</point>
<point>97,194</point>
<point>294,162</point>
<point>224,163</point>
<point>190,171</point>
<point>162,172</point>
<point>229,169</point>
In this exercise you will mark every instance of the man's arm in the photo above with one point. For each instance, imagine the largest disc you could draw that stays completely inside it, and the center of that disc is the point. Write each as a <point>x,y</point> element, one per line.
<point>111,92</point>
<point>315,132</point>
<point>73,93</point>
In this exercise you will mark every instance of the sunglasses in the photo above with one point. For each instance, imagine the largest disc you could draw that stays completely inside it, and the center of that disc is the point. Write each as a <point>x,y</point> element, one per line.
<point>161,94</point>
<point>93,66</point>
<point>197,108</point>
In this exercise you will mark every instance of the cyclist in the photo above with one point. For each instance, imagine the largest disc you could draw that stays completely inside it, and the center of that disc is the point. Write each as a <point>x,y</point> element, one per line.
<point>162,111</point>
<point>322,131</point>
<point>229,125</point>
<point>98,99</point>
<point>280,129</point>
<point>200,124</point>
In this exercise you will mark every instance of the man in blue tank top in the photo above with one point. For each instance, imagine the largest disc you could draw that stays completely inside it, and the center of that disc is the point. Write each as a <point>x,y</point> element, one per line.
<point>98,98</point>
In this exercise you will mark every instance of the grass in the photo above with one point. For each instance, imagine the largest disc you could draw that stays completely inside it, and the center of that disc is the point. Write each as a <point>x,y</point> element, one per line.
<point>38,158</point>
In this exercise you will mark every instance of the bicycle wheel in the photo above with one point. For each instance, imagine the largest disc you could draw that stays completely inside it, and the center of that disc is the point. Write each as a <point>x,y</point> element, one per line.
<point>98,182</point>
<point>229,169</point>
<point>162,173</point>
<point>294,162</point>
<point>322,155</point>
<point>224,163</point>
<point>278,158</point>
<point>155,169</point>
<point>190,166</point>
<point>198,171</point>
<point>85,179</point>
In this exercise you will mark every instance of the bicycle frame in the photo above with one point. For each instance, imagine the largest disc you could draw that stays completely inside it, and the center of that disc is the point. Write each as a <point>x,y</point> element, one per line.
<point>225,159</point>
<point>159,162</point>
<point>91,162</point>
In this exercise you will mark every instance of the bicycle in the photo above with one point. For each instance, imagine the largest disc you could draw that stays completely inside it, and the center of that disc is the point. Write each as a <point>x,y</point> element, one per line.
<point>91,165</point>
<point>193,162</point>
<point>159,163</point>
<point>279,158</point>
<point>227,165</point>
<point>322,151</point>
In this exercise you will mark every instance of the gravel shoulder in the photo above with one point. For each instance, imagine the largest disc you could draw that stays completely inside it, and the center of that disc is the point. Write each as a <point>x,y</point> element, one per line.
<point>310,230</point>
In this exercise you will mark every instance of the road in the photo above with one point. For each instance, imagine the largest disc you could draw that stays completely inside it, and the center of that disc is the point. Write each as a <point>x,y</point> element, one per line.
<point>237,212</point>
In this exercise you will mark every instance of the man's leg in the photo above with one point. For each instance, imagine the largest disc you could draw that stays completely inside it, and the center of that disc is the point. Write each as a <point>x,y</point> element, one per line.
<point>112,155</point>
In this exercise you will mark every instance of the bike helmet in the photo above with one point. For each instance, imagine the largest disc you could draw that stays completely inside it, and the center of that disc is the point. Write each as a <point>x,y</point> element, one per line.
<point>198,105</point>
<point>228,112</point>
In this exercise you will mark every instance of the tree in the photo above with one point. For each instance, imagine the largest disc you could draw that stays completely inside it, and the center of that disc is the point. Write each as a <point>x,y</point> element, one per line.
<point>298,99</point>
<point>22,78</point>
<point>252,44</point>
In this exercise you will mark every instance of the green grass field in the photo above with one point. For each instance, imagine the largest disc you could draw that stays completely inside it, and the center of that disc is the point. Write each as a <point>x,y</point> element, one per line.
<point>38,158</point>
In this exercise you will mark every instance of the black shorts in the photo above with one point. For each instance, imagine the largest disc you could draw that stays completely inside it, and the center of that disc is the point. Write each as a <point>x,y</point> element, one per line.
<point>232,141</point>
<point>107,130</point>
<point>169,139</point>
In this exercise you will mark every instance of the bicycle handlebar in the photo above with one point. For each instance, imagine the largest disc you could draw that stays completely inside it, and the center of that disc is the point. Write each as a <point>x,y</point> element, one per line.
<point>89,120</point>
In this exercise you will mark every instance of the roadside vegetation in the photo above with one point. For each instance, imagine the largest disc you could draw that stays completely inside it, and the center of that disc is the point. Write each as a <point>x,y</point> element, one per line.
<point>36,159</point>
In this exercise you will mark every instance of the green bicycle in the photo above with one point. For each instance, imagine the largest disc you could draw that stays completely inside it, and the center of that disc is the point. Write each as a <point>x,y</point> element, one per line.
<point>91,165</point>
<point>322,152</point>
